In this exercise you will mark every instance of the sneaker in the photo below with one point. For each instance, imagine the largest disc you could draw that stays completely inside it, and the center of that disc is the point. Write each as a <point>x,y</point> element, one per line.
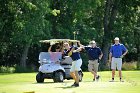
<point>75,85</point>
<point>97,78</point>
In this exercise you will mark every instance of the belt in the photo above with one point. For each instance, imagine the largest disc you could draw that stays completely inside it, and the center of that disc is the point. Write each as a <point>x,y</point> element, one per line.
<point>75,59</point>
<point>117,57</point>
<point>93,59</point>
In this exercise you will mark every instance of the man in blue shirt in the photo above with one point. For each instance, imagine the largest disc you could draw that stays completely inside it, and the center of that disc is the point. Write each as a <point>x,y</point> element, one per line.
<point>73,52</point>
<point>117,52</point>
<point>94,55</point>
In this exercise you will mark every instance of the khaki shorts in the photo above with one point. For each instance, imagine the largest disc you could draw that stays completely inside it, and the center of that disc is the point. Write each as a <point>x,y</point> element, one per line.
<point>93,65</point>
<point>116,63</point>
<point>76,65</point>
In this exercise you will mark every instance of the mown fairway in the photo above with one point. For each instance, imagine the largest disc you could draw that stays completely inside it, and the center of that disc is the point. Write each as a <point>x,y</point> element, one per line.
<point>25,82</point>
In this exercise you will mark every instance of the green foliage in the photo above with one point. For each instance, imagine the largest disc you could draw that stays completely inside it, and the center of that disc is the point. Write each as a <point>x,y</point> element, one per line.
<point>7,69</point>
<point>16,69</point>
<point>25,21</point>
<point>129,66</point>
<point>20,69</point>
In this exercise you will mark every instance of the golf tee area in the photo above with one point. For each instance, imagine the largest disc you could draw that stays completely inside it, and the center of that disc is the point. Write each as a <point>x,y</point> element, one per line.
<point>26,83</point>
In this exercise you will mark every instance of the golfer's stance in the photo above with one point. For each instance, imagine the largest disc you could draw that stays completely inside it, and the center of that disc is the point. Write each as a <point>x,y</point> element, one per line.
<point>117,52</point>
<point>94,55</point>
<point>73,52</point>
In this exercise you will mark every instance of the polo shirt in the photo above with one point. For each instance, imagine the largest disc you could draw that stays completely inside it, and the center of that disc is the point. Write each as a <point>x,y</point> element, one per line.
<point>117,50</point>
<point>75,55</point>
<point>93,53</point>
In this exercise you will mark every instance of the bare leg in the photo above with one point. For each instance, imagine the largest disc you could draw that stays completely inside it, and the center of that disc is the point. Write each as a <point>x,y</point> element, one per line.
<point>77,77</point>
<point>94,73</point>
<point>113,73</point>
<point>120,73</point>
<point>73,76</point>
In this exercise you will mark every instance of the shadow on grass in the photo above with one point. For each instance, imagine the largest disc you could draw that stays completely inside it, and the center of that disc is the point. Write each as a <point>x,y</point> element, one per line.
<point>66,87</point>
<point>44,83</point>
<point>51,83</point>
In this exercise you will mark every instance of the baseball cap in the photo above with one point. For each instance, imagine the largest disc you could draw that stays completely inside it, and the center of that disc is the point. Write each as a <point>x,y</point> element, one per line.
<point>116,38</point>
<point>92,42</point>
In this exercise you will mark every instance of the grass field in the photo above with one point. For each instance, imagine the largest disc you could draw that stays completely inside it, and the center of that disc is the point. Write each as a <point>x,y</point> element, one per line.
<point>25,82</point>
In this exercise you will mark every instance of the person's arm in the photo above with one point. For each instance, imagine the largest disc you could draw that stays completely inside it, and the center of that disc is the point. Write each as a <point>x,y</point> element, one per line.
<point>49,50</point>
<point>110,54</point>
<point>110,57</point>
<point>77,50</point>
<point>73,51</point>
<point>125,51</point>
<point>70,52</point>
<point>81,46</point>
<point>101,55</point>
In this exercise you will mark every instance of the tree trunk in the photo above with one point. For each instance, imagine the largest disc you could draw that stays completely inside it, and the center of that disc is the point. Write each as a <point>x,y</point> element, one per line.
<point>109,18</point>
<point>138,62</point>
<point>105,49</point>
<point>137,42</point>
<point>24,55</point>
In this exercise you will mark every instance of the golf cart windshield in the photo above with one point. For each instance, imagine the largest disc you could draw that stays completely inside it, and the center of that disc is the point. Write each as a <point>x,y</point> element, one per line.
<point>50,57</point>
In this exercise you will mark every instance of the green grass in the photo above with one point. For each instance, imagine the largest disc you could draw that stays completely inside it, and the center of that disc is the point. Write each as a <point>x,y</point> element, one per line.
<point>24,82</point>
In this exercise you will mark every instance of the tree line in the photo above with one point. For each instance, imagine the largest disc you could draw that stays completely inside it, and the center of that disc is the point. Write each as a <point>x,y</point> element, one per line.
<point>24,22</point>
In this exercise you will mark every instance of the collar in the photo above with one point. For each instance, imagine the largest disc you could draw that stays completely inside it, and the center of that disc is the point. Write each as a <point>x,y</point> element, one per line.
<point>116,44</point>
<point>94,47</point>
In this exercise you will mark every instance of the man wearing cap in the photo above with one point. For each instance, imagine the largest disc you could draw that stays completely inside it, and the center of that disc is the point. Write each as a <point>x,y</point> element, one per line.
<point>94,55</point>
<point>117,52</point>
<point>73,52</point>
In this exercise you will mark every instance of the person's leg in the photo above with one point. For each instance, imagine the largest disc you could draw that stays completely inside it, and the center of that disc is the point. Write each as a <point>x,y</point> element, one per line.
<point>91,69</point>
<point>119,66</point>
<point>77,77</point>
<point>72,74</point>
<point>120,74</point>
<point>113,74</point>
<point>113,67</point>
<point>96,64</point>
<point>76,69</point>
<point>94,74</point>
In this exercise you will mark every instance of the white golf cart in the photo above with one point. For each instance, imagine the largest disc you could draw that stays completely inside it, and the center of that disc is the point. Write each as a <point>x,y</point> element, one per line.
<point>53,65</point>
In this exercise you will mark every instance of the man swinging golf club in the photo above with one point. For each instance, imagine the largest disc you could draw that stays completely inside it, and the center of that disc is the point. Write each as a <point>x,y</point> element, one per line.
<point>73,52</point>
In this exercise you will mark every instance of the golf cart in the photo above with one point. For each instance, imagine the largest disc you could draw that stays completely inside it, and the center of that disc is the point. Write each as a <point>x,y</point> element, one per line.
<point>54,65</point>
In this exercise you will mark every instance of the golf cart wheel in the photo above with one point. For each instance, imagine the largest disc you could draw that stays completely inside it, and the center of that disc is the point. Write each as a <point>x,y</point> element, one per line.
<point>39,77</point>
<point>80,76</point>
<point>58,76</point>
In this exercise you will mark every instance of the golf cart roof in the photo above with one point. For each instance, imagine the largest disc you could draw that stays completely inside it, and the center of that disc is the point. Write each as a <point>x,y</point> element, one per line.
<point>58,40</point>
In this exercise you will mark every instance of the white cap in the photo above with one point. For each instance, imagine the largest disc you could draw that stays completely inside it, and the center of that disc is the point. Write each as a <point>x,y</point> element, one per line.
<point>116,38</point>
<point>93,42</point>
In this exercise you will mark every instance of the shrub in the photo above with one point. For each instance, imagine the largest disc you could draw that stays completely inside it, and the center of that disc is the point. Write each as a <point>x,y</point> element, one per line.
<point>20,69</point>
<point>6,69</point>
<point>129,66</point>
<point>16,69</point>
